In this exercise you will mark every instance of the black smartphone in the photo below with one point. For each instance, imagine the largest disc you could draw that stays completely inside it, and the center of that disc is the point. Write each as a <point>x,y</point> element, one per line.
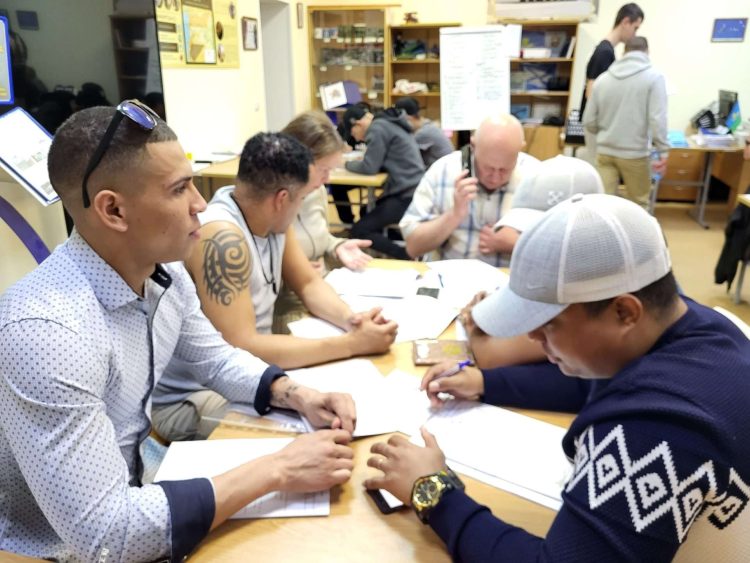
<point>468,163</point>
<point>430,291</point>
<point>385,501</point>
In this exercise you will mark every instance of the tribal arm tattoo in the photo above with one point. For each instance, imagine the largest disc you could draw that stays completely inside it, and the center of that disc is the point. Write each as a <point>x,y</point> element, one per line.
<point>226,266</point>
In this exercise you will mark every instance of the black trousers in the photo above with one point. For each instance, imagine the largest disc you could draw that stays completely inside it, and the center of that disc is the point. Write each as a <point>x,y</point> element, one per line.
<point>343,203</point>
<point>371,224</point>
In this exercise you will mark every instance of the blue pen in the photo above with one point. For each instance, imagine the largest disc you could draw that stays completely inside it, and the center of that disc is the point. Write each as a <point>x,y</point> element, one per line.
<point>454,370</point>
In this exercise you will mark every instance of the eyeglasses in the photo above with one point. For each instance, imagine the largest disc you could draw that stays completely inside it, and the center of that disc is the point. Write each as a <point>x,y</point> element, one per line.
<point>135,111</point>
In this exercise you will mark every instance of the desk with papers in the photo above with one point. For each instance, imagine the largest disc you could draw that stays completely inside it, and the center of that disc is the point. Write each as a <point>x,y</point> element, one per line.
<point>354,528</point>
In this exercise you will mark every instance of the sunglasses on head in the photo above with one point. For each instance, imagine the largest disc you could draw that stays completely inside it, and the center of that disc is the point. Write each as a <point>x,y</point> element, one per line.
<point>135,111</point>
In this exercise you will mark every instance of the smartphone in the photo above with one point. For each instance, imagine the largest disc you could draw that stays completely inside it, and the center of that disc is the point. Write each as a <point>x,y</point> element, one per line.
<point>385,501</point>
<point>429,291</point>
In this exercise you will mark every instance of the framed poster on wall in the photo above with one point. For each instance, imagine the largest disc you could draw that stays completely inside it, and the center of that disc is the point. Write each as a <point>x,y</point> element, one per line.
<point>200,32</point>
<point>729,30</point>
<point>249,34</point>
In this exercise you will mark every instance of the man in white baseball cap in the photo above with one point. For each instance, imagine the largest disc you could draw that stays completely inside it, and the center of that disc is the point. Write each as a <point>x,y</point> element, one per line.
<point>661,453</point>
<point>553,181</point>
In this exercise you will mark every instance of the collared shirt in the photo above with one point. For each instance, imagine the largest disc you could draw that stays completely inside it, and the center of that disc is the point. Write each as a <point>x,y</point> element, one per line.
<point>434,196</point>
<point>80,352</point>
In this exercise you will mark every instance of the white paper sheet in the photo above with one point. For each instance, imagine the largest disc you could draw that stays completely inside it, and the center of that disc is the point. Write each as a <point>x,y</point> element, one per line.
<point>418,316</point>
<point>411,405</point>
<point>208,458</point>
<point>376,282</point>
<point>516,449</point>
<point>313,327</point>
<point>362,380</point>
<point>463,279</point>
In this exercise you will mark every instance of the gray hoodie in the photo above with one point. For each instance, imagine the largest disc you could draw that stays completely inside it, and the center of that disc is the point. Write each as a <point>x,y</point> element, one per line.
<point>628,102</point>
<point>391,148</point>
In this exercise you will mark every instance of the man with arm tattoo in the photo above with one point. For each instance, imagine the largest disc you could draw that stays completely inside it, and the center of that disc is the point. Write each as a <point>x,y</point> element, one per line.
<point>247,249</point>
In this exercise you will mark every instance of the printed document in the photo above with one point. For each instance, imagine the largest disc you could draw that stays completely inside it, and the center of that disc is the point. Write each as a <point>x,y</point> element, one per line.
<point>208,458</point>
<point>502,447</point>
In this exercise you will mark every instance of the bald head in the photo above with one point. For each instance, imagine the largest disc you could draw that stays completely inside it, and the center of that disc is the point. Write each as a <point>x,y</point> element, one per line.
<point>496,144</point>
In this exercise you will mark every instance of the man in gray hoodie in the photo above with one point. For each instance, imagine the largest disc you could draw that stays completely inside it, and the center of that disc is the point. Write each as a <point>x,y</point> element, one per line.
<point>628,106</point>
<point>391,148</point>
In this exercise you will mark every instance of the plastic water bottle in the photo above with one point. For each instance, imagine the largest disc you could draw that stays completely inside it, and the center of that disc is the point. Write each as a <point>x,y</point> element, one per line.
<point>655,176</point>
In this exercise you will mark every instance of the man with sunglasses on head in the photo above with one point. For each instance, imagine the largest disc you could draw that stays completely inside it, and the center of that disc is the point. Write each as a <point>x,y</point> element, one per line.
<point>247,247</point>
<point>85,337</point>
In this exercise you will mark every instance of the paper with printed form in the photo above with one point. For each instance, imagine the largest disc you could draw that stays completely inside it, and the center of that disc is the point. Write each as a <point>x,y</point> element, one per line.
<point>362,380</point>
<point>523,452</point>
<point>208,458</point>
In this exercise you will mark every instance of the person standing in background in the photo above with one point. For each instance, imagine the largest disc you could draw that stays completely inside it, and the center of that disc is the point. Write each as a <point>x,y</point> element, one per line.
<point>628,106</point>
<point>629,18</point>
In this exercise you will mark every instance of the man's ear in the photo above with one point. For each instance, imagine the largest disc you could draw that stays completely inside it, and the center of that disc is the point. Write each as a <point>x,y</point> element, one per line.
<point>629,310</point>
<point>281,198</point>
<point>110,209</point>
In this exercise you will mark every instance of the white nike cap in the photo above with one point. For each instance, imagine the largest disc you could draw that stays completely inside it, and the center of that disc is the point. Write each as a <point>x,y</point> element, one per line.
<point>552,182</point>
<point>587,248</point>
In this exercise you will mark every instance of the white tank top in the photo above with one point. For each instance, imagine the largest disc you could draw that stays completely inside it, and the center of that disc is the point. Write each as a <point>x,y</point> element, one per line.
<point>266,256</point>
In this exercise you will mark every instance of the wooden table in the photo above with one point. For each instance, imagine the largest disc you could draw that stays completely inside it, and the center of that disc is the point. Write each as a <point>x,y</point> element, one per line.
<point>224,173</point>
<point>701,197</point>
<point>355,529</point>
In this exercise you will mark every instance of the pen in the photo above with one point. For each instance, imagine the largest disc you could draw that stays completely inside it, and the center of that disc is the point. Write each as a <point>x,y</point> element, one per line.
<point>440,279</point>
<point>454,370</point>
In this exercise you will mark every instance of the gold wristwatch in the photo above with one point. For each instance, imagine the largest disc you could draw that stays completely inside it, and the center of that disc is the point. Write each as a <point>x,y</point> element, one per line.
<point>428,490</point>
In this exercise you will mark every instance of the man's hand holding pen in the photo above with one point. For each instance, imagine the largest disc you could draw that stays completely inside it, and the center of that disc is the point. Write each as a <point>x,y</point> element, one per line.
<point>458,380</point>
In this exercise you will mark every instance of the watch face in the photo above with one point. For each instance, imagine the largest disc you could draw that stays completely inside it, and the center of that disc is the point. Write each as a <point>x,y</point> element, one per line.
<point>427,492</point>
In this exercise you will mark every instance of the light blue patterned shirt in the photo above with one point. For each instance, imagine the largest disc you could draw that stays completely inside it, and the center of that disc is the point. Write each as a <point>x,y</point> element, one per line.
<point>434,196</point>
<point>79,356</point>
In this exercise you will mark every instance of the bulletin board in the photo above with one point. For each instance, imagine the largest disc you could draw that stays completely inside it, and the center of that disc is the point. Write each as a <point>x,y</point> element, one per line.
<point>198,33</point>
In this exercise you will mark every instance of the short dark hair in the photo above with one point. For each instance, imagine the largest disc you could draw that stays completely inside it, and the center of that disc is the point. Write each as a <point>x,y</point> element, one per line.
<point>409,105</point>
<point>657,297</point>
<point>77,139</point>
<point>631,11</point>
<point>638,43</point>
<point>273,161</point>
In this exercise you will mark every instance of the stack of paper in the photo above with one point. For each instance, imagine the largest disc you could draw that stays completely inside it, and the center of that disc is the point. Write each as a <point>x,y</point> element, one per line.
<point>208,458</point>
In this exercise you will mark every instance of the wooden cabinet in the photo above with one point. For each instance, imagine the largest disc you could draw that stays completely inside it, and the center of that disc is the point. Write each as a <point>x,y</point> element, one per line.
<point>136,55</point>
<point>349,44</point>
<point>683,176</point>
<point>540,86</point>
<point>415,57</point>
